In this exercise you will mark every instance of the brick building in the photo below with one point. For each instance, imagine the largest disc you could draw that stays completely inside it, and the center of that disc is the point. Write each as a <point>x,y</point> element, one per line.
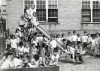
<point>58,15</point>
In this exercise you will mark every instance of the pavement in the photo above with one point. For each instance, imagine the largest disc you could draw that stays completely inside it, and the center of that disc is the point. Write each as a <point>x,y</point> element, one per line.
<point>90,64</point>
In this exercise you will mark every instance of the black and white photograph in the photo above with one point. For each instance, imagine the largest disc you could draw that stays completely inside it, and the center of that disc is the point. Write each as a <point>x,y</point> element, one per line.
<point>49,35</point>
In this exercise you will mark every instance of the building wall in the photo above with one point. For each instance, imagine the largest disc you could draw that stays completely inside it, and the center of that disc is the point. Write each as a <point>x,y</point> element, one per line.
<point>69,16</point>
<point>14,11</point>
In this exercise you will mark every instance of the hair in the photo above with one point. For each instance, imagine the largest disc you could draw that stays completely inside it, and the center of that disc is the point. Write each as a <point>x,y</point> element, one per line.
<point>36,57</point>
<point>98,33</point>
<point>55,49</point>
<point>20,43</point>
<point>74,32</point>
<point>43,45</point>
<point>85,32</point>
<point>78,34</point>
<point>63,35</point>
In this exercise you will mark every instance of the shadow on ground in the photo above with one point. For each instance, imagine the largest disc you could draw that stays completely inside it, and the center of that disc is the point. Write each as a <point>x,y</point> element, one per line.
<point>69,61</point>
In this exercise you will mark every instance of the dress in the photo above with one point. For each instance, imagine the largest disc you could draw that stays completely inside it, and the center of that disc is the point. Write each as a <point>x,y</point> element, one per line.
<point>34,20</point>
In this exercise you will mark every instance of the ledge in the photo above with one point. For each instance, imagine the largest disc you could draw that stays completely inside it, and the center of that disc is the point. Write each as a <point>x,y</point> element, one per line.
<point>90,22</point>
<point>48,23</point>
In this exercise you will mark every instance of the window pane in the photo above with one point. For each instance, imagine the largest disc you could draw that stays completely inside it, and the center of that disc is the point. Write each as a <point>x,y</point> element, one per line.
<point>52,4</point>
<point>29,3</point>
<point>86,19</point>
<point>85,4</point>
<point>53,20</point>
<point>41,14</point>
<point>40,4</point>
<point>96,5</point>
<point>86,15</point>
<point>52,13</point>
<point>96,15</point>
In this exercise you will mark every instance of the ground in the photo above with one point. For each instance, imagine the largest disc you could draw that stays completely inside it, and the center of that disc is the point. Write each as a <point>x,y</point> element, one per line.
<point>90,64</point>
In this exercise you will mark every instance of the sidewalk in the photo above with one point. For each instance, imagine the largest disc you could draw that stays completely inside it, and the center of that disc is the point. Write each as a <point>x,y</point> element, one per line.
<point>90,64</point>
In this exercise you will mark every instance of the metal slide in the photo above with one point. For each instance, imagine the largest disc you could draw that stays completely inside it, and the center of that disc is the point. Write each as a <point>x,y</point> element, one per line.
<point>47,35</point>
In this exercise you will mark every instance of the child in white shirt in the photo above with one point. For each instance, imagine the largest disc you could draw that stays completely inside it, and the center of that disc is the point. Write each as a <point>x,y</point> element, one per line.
<point>34,62</point>
<point>93,45</point>
<point>54,58</point>
<point>14,42</point>
<point>85,41</point>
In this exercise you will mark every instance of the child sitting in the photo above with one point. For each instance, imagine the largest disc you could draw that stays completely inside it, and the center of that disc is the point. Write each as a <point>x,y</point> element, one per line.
<point>34,62</point>
<point>20,49</point>
<point>78,52</point>
<point>34,49</point>
<point>26,49</point>
<point>54,58</point>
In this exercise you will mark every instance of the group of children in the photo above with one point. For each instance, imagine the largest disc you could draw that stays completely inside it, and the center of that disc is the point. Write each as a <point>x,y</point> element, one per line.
<point>30,48</point>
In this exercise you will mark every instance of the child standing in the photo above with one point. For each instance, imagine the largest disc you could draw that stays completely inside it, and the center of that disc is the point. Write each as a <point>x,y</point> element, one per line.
<point>93,46</point>
<point>89,43</point>
<point>85,41</point>
<point>97,45</point>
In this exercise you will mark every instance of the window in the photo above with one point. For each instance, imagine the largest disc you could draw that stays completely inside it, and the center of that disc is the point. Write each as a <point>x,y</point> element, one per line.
<point>96,11</point>
<point>47,10</point>
<point>29,3</point>
<point>86,11</point>
<point>52,11</point>
<point>41,10</point>
<point>4,10</point>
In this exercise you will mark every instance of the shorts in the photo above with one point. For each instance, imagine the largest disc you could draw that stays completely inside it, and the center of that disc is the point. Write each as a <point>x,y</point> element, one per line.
<point>84,44</point>
<point>78,42</point>
<point>89,45</point>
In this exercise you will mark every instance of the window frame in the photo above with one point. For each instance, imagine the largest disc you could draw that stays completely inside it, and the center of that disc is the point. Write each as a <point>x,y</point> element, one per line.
<point>92,13</point>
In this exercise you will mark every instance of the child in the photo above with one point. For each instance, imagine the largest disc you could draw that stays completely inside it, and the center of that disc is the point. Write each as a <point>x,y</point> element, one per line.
<point>78,38</point>
<point>93,46</point>
<point>26,60</point>
<point>34,19</point>
<point>78,52</point>
<point>69,37</point>
<point>8,63</point>
<point>14,42</point>
<point>85,41</point>
<point>34,49</point>
<point>74,38</point>
<point>89,43</point>
<point>34,62</point>
<point>53,44</point>
<point>8,41</point>
<point>20,49</point>
<point>97,45</point>
<point>47,58</point>
<point>18,63</point>
<point>26,49</point>
<point>72,52</point>
<point>30,12</point>
<point>42,58</point>
<point>54,58</point>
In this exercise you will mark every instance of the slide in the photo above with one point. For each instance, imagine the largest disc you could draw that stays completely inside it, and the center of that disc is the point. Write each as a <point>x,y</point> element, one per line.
<point>48,35</point>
